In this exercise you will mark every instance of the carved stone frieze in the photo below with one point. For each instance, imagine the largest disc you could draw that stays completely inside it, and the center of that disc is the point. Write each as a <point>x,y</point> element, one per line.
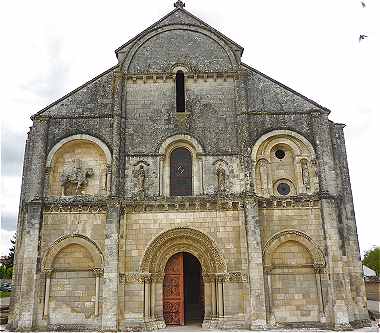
<point>237,277</point>
<point>74,179</point>
<point>136,277</point>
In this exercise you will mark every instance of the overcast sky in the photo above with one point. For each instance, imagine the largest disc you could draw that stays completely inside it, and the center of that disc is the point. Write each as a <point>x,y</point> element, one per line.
<point>51,47</point>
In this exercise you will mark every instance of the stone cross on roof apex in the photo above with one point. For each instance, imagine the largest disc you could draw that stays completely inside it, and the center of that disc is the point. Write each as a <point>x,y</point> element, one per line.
<point>179,4</point>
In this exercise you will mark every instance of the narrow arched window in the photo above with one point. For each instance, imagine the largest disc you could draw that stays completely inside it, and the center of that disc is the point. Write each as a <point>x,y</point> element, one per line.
<point>180,91</point>
<point>181,180</point>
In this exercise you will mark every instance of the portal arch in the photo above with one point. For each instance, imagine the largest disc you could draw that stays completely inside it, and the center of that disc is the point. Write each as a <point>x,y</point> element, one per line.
<point>181,239</point>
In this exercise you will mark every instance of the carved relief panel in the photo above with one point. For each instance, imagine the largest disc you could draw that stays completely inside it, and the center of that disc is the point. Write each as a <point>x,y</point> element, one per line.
<point>79,167</point>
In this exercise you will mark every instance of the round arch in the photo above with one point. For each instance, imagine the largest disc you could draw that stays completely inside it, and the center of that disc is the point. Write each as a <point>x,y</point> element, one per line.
<point>282,133</point>
<point>293,235</point>
<point>196,150</point>
<point>126,61</point>
<point>179,140</point>
<point>182,239</point>
<point>84,137</point>
<point>64,241</point>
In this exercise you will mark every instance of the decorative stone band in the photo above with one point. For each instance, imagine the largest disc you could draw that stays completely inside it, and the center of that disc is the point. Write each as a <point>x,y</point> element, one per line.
<point>291,202</point>
<point>167,77</point>
<point>317,268</point>
<point>137,277</point>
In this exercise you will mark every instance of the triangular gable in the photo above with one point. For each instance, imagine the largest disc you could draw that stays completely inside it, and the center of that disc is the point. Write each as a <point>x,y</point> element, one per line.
<point>183,17</point>
<point>91,98</point>
<point>268,95</point>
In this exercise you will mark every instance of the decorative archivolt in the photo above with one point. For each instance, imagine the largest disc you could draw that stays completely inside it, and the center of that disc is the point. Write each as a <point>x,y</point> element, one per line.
<point>180,140</point>
<point>85,137</point>
<point>183,239</point>
<point>296,167</point>
<point>196,150</point>
<point>64,241</point>
<point>78,165</point>
<point>293,235</point>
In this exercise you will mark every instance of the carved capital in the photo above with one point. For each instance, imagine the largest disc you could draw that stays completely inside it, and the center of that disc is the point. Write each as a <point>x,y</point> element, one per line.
<point>98,271</point>
<point>208,277</point>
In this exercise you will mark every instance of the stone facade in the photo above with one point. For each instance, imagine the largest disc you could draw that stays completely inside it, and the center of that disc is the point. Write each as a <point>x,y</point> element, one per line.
<point>270,218</point>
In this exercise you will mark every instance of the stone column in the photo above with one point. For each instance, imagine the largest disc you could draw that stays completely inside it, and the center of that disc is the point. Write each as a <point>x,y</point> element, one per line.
<point>255,265</point>
<point>322,316</point>
<point>147,298</point>
<point>47,293</point>
<point>31,229</point>
<point>111,269</point>
<point>209,299</point>
<point>219,295</point>
<point>98,273</point>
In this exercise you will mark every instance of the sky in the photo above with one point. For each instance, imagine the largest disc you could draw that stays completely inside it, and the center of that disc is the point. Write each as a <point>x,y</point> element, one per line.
<point>51,47</point>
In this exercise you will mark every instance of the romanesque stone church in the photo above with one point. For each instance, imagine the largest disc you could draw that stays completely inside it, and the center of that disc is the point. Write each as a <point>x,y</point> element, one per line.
<point>182,186</point>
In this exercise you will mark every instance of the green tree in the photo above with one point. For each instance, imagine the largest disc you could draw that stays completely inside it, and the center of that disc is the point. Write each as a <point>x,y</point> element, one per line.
<point>8,260</point>
<point>372,259</point>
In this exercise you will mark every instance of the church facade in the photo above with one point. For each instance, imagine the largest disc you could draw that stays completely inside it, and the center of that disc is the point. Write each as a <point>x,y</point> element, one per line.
<point>182,186</point>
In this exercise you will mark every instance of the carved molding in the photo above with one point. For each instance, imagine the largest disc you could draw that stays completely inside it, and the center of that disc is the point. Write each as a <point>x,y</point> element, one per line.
<point>295,235</point>
<point>168,77</point>
<point>135,277</point>
<point>65,240</point>
<point>182,239</point>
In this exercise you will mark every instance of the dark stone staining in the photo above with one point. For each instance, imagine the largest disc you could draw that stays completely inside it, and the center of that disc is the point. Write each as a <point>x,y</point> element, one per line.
<point>200,53</point>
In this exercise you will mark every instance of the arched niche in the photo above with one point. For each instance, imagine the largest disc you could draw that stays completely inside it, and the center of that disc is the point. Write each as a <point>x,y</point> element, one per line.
<point>297,236</point>
<point>77,165</point>
<point>81,257</point>
<point>196,151</point>
<point>284,154</point>
<point>293,266</point>
<point>67,240</point>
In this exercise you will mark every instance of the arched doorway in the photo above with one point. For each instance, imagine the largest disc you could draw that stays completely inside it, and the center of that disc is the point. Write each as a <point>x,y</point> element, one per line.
<point>183,290</point>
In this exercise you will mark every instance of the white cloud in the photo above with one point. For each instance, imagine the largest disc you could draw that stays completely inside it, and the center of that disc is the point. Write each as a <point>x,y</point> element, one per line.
<point>5,241</point>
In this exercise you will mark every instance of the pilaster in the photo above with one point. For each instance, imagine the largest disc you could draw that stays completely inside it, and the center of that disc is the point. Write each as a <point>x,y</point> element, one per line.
<point>30,232</point>
<point>111,269</point>
<point>255,265</point>
<point>30,244</point>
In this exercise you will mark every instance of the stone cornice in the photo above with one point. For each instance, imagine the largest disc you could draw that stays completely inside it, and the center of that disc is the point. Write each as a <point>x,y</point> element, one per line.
<point>223,202</point>
<point>167,77</point>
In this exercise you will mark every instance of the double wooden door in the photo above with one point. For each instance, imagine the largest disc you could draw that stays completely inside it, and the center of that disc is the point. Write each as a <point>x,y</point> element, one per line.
<point>173,291</point>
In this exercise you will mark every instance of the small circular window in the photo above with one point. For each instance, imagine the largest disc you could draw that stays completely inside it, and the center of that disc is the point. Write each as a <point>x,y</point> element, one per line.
<point>280,154</point>
<point>283,189</point>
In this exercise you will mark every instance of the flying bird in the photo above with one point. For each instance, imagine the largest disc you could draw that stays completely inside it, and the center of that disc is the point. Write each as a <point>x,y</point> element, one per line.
<point>363,4</point>
<point>362,37</point>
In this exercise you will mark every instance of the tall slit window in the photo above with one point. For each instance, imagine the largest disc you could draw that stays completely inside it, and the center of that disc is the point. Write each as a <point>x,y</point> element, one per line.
<point>180,91</point>
<point>181,180</point>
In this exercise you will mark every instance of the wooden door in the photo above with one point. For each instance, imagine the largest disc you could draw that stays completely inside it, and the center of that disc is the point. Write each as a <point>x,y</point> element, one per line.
<point>174,305</point>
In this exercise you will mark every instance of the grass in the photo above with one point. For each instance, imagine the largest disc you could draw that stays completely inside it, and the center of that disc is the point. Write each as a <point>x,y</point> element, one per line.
<point>5,294</point>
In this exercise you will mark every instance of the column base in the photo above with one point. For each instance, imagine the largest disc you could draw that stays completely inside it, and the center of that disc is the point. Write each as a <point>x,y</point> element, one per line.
<point>154,325</point>
<point>343,327</point>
